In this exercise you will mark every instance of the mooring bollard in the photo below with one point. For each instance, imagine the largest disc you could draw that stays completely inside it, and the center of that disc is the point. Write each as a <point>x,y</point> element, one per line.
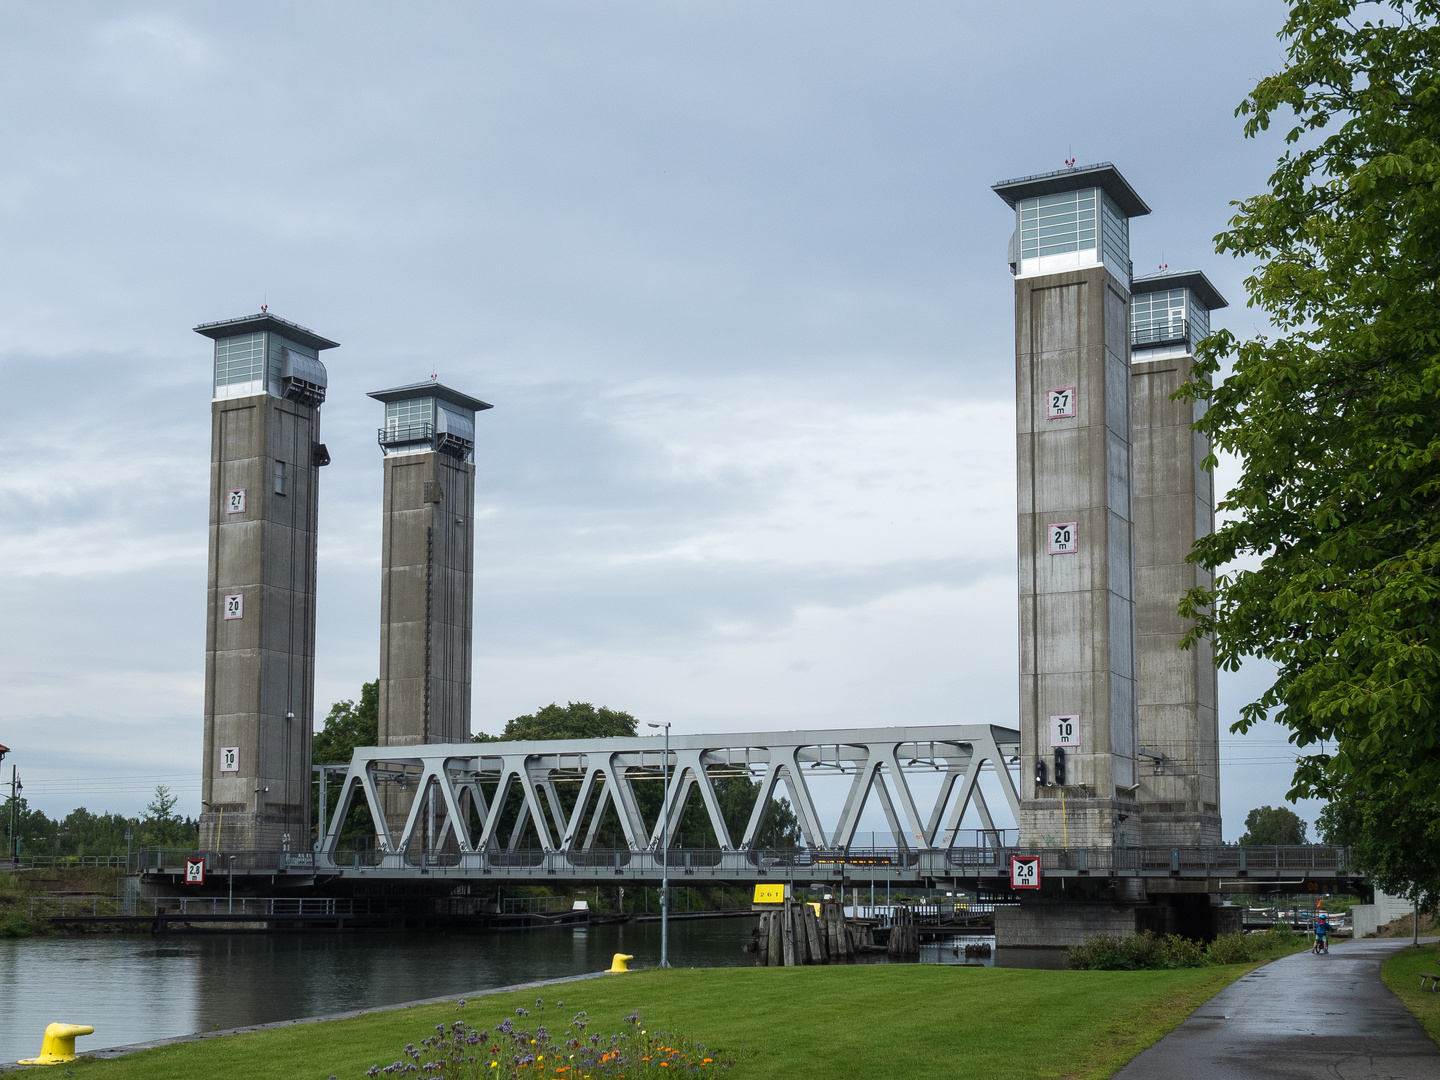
<point>59,1044</point>
<point>618,962</point>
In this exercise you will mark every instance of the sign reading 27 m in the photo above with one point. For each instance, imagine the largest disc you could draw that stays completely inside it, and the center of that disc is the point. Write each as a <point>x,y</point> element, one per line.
<point>1025,871</point>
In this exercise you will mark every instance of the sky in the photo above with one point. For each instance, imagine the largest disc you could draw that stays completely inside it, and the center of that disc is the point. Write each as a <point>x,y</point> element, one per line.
<point>730,273</point>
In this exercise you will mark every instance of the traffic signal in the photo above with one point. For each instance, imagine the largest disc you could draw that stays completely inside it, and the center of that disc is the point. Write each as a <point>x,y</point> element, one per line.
<point>1040,773</point>
<point>1060,765</point>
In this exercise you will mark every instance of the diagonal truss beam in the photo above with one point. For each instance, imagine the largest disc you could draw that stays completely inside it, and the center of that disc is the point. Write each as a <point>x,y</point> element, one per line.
<point>449,781</point>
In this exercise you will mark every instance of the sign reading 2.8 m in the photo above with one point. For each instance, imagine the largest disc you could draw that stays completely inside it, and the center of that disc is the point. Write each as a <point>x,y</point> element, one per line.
<point>1064,537</point>
<point>1025,871</point>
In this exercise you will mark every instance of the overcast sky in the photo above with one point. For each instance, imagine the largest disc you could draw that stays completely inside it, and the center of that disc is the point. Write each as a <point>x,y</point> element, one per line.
<point>731,274</point>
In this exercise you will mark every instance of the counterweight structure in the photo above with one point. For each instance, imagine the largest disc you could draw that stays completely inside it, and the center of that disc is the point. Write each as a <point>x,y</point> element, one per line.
<point>1071,259</point>
<point>1177,703</point>
<point>427,572</point>
<point>265,461</point>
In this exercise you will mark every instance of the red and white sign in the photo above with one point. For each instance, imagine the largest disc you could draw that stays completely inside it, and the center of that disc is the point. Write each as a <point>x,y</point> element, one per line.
<point>1025,871</point>
<point>1060,403</point>
<point>194,871</point>
<point>1064,538</point>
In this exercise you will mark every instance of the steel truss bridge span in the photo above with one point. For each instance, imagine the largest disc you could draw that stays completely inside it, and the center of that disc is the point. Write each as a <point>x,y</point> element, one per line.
<point>457,785</point>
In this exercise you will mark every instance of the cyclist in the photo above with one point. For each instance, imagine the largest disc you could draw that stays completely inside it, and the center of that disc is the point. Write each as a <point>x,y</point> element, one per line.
<point>1322,933</point>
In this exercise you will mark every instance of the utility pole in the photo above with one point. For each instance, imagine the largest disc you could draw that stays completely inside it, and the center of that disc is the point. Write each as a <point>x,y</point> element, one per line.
<point>14,805</point>
<point>665,855</point>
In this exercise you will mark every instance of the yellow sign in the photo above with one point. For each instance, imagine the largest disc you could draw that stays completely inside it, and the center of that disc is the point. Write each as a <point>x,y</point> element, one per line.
<point>815,908</point>
<point>769,894</point>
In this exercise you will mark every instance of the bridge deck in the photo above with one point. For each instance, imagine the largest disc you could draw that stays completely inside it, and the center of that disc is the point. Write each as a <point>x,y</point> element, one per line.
<point>1229,868</point>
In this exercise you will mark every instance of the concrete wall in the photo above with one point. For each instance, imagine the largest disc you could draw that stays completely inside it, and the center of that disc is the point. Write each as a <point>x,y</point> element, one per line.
<point>427,585</point>
<point>1077,613</point>
<point>260,668</point>
<point>1176,689</point>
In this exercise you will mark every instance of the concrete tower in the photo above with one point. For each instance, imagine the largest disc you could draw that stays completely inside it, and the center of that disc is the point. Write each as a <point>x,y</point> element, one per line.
<point>1071,259</point>
<point>1179,730</point>
<point>265,459</point>
<point>427,564</point>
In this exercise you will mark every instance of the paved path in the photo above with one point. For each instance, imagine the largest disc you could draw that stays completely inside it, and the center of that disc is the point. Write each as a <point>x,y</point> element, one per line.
<point>1303,1016</point>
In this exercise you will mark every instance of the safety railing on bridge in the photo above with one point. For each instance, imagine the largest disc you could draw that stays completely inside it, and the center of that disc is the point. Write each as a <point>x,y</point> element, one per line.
<point>51,907</point>
<point>60,862</point>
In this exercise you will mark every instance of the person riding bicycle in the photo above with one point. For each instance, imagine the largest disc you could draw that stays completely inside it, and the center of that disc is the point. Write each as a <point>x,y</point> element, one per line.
<point>1322,932</point>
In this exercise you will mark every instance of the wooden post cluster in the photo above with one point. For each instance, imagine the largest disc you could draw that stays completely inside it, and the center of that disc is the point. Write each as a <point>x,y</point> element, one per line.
<point>791,934</point>
<point>904,934</point>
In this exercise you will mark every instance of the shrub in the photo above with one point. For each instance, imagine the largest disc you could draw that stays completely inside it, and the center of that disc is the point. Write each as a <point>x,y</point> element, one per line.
<point>1135,952</point>
<point>1229,949</point>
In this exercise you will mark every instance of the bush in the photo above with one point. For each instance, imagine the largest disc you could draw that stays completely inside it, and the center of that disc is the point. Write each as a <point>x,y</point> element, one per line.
<point>1230,949</point>
<point>1135,952</point>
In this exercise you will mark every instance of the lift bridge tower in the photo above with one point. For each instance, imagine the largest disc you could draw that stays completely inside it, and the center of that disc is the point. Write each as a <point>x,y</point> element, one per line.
<point>1070,255</point>
<point>427,564</point>
<point>265,464</point>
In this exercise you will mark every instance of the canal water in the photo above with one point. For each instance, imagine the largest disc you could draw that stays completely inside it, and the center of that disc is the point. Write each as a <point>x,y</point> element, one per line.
<point>132,988</point>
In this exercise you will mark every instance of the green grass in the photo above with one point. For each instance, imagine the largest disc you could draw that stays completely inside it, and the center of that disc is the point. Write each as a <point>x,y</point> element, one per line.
<point>1401,973</point>
<point>836,1022</point>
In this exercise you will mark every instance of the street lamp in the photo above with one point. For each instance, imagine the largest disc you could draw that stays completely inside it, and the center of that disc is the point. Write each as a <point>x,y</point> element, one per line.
<point>665,855</point>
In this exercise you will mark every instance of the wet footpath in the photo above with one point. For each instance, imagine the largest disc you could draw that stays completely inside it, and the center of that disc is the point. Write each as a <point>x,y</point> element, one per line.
<point>1303,1016</point>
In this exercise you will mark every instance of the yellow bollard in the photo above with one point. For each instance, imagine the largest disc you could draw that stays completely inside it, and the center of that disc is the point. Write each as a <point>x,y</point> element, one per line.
<point>59,1044</point>
<point>617,963</point>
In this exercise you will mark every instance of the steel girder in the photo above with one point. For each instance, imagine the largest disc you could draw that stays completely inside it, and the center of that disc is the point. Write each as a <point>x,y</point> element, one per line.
<point>447,777</point>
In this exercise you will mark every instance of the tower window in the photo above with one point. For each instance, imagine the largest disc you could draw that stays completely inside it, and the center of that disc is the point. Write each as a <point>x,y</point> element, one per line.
<point>280,478</point>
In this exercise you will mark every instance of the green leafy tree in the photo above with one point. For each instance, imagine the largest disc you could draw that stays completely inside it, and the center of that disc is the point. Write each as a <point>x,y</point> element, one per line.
<point>347,726</point>
<point>1328,560</point>
<point>163,827</point>
<point>1273,825</point>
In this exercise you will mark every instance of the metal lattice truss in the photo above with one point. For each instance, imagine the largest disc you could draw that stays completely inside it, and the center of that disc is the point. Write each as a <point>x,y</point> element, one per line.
<point>439,791</point>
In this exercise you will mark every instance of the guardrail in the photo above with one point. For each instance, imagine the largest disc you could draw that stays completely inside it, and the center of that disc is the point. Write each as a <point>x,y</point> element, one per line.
<point>1220,861</point>
<point>51,907</point>
<point>56,862</point>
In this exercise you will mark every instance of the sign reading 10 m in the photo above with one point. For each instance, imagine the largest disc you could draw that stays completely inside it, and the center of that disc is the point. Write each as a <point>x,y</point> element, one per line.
<point>1065,730</point>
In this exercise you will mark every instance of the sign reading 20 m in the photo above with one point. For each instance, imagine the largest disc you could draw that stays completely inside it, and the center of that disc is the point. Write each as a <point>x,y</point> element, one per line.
<point>1064,538</point>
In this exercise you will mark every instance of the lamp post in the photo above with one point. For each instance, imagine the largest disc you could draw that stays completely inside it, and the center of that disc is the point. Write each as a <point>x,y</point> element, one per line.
<point>665,855</point>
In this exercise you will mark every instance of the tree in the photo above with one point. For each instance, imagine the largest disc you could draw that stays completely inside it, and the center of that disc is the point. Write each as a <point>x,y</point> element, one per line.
<point>347,726</point>
<point>1273,825</point>
<point>577,720</point>
<point>1330,550</point>
<point>162,827</point>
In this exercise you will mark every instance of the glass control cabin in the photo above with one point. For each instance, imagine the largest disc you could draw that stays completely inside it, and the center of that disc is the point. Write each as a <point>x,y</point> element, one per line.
<point>261,354</point>
<point>1169,313</point>
<point>429,416</point>
<point>1072,219</point>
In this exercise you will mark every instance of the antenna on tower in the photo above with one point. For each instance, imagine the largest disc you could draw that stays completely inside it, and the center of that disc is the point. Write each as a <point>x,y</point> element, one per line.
<point>264,303</point>
<point>1070,160</point>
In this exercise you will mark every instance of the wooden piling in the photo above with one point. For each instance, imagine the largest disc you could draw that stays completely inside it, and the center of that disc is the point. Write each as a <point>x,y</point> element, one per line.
<point>787,935</point>
<point>762,940</point>
<point>775,952</point>
<point>812,934</point>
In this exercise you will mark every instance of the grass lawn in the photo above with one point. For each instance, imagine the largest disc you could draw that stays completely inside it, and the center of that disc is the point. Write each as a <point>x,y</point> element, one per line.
<point>1402,974</point>
<point>836,1022</point>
